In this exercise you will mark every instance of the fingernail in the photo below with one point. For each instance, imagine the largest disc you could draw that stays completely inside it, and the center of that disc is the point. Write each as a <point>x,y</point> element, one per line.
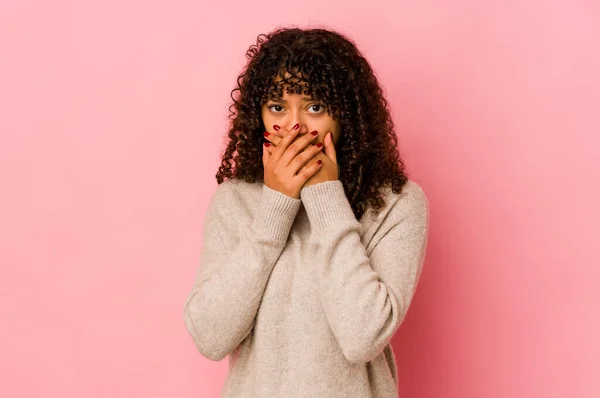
<point>267,144</point>
<point>276,127</point>
<point>319,161</point>
<point>266,134</point>
<point>296,126</point>
<point>319,145</point>
<point>315,132</point>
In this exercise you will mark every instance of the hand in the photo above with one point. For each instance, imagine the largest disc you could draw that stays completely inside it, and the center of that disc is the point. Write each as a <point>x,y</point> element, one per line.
<point>285,168</point>
<point>329,168</point>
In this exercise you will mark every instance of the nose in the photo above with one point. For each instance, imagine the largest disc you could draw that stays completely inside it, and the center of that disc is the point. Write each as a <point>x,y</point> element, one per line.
<point>296,119</point>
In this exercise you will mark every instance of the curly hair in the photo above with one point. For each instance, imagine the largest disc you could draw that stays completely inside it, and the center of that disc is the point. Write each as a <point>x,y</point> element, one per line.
<point>328,66</point>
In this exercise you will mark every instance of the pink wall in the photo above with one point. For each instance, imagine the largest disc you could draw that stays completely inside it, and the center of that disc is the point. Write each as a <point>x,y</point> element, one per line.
<point>112,115</point>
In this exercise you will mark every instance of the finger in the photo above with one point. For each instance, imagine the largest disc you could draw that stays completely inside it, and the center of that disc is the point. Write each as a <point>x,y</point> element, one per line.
<point>266,155</point>
<point>300,146</point>
<point>302,170</point>
<point>282,131</point>
<point>270,148</point>
<point>272,138</point>
<point>308,170</point>
<point>277,130</point>
<point>330,148</point>
<point>282,144</point>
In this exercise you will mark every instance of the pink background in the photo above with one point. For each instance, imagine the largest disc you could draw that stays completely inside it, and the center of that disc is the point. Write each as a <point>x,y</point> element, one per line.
<point>112,117</point>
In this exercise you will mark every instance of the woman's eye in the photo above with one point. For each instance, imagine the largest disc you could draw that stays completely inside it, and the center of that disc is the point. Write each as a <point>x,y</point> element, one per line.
<point>317,108</point>
<point>276,108</point>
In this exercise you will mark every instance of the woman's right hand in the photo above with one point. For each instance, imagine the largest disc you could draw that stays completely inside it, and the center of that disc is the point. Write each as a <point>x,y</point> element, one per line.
<point>282,162</point>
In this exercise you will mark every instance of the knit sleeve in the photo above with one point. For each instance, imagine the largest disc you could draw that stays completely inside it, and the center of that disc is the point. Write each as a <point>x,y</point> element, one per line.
<point>365,296</point>
<point>231,277</point>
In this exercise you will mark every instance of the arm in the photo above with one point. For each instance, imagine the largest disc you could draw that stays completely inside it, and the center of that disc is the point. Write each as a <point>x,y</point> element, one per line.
<point>365,297</point>
<point>221,308</point>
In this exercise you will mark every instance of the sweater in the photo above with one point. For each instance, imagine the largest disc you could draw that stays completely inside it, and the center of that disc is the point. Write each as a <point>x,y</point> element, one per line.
<point>301,296</point>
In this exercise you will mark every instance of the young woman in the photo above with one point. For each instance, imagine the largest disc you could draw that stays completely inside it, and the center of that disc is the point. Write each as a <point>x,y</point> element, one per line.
<point>313,246</point>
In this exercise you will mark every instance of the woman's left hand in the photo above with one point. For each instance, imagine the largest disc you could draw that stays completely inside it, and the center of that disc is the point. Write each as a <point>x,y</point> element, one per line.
<point>329,168</point>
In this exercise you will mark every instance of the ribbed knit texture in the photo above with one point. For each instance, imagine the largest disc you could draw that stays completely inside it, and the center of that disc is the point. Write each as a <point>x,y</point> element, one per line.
<point>301,296</point>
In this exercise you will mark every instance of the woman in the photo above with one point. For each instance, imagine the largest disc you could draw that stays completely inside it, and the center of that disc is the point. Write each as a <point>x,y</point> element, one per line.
<point>313,246</point>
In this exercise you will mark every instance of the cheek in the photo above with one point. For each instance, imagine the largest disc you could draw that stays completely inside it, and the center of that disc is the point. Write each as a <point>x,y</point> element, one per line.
<point>335,128</point>
<point>264,115</point>
<point>268,120</point>
<point>330,125</point>
<point>335,138</point>
<point>336,133</point>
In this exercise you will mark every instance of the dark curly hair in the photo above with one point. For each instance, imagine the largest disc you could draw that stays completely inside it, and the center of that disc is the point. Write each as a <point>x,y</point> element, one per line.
<point>327,66</point>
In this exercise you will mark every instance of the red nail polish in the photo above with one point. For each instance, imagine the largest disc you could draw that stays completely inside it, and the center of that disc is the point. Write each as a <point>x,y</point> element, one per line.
<point>276,127</point>
<point>315,132</point>
<point>319,145</point>
<point>319,161</point>
<point>296,126</point>
<point>266,134</point>
<point>267,144</point>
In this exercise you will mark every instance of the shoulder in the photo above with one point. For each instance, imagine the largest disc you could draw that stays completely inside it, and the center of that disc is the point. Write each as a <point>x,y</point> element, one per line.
<point>236,190</point>
<point>232,201</point>
<point>413,197</point>
<point>409,207</point>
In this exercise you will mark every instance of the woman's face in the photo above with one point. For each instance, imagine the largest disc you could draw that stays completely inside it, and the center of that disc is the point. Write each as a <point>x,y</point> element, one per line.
<point>297,108</point>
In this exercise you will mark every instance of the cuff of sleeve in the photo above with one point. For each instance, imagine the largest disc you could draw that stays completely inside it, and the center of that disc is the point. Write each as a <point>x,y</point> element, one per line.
<point>276,214</point>
<point>326,205</point>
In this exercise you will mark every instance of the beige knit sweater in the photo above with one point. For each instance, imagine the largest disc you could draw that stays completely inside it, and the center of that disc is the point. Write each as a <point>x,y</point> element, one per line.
<point>303,297</point>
